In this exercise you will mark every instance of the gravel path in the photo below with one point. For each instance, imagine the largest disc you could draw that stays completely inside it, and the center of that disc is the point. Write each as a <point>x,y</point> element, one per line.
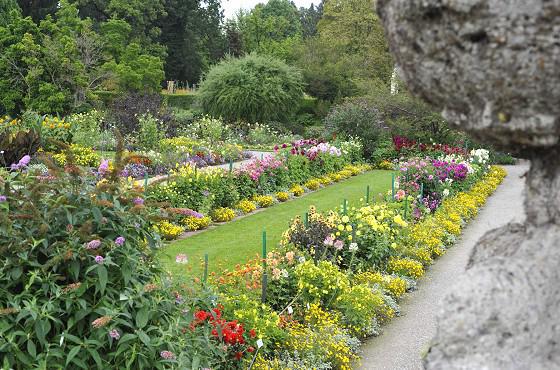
<point>405,339</point>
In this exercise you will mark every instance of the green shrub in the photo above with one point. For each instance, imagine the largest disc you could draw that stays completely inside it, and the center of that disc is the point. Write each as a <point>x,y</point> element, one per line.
<point>358,119</point>
<point>80,285</point>
<point>180,101</point>
<point>149,134</point>
<point>252,89</point>
<point>86,128</point>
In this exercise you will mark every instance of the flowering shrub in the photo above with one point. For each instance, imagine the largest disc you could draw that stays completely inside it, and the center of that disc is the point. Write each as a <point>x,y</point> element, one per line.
<point>231,336</point>
<point>395,285</point>
<point>83,156</point>
<point>193,223</point>
<point>246,206</point>
<point>320,283</point>
<point>321,343</point>
<point>360,306</point>
<point>90,250</point>
<point>222,214</point>
<point>282,196</point>
<point>297,190</point>
<point>312,184</point>
<point>264,201</point>
<point>167,230</point>
<point>405,266</point>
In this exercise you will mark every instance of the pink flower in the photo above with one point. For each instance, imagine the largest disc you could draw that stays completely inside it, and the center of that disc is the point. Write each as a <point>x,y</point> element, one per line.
<point>400,194</point>
<point>120,241</point>
<point>99,259</point>
<point>338,245</point>
<point>167,355</point>
<point>94,244</point>
<point>138,201</point>
<point>3,198</point>
<point>115,334</point>
<point>181,258</point>
<point>329,241</point>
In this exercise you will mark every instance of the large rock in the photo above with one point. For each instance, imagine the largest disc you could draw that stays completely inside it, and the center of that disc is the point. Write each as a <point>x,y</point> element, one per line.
<point>493,67</point>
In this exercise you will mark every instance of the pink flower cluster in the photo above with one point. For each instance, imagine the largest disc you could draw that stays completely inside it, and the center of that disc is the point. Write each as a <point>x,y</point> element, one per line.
<point>323,148</point>
<point>257,167</point>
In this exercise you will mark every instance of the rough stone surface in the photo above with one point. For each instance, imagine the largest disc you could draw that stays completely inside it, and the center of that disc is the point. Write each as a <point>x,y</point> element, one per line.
<point>493,67</point>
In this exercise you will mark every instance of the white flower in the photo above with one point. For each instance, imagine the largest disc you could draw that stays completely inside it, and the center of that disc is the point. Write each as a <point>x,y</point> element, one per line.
<point>446,193</point>
<point>301,259</point>
<point>353,247</point>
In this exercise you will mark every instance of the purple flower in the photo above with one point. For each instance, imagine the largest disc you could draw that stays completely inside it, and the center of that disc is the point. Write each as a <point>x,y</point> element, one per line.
<point>24,161</point>
<point>120,241</point>
<point>103,167</point>
<point>3,198</point>
<point>94,244</point>
<point>99,259</point>
<point>338,245</point>
<point>115,334</point>
<point>167,355</point>
<point>138,201</point>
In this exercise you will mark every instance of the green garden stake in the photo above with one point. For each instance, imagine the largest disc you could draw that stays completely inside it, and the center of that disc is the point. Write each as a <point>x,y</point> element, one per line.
<point>262,156</point>
<point>345,207</point>
<point>145,181</point>
<point>230,166</point>
<point>393,186</point>
<point>405,206</point>
<point>353,233</point>
<point>265,276</point>
<point>205,267</point>
<point>421,191</point>
<point>367,195</point>
<point>306,220</point>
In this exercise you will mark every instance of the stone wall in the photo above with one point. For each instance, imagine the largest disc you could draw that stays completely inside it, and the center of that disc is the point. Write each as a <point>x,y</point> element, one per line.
<point>493,68</point>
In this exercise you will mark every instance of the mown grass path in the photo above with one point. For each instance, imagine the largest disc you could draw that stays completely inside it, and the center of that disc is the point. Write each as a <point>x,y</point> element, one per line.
<point>241,240</point>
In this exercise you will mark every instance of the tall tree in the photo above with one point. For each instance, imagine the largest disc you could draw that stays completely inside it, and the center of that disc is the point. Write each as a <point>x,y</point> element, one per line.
<point>349,55</point>
<point>309,18</point>
<point>273,28</point>
<point>7,7</point>
<point>38,9</point>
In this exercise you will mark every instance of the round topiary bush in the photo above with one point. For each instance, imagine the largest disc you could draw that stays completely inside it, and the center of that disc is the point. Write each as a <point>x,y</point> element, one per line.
<point>253,88</point>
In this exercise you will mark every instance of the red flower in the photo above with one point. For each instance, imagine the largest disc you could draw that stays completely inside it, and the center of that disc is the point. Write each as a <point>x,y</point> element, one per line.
<point>252,333</point>
<point>201,315</point>
<point>238,355</point>
<point>217,312</point>
<point>251,349</point>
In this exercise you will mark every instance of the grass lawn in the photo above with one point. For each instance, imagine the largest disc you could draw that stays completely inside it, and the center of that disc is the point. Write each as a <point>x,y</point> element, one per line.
<point>241,240</point>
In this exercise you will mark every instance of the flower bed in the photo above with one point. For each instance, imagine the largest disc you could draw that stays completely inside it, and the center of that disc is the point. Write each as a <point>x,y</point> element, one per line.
<point>343,273</point>
<point>83,246</point>
<point>224,194</point>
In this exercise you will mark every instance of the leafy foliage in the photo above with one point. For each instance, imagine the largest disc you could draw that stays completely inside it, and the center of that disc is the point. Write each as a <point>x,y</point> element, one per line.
<point>252,88</point>
<point>79,281</point>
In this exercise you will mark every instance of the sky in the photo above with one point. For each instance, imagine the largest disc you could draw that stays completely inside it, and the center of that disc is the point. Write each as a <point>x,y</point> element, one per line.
<point>232,6</point>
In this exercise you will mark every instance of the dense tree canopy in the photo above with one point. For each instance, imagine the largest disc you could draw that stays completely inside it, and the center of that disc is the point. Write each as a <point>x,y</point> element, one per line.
<point>55,55</point>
